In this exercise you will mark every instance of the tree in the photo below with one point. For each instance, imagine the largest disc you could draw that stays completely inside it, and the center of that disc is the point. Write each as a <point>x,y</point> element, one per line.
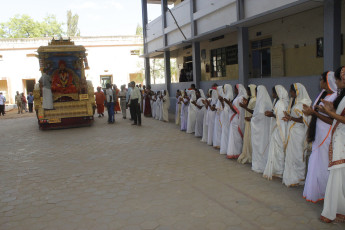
<point>23,26</point>
<point>139,30</point>
<point>51,27</point>
<point>2,31</point>
<point>157,69</point>
<point>72,24</point>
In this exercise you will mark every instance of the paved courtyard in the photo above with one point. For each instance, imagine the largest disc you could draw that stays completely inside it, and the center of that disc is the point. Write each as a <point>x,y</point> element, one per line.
<point>128,177</point>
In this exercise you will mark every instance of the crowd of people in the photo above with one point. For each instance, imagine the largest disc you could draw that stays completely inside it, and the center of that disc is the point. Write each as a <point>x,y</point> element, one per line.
<point>116,100</point>
<point>275,137</point>
<point>24,103</point>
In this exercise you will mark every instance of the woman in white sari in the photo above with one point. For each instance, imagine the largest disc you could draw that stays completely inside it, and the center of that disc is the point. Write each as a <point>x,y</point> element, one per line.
<point>211,113</point>
<point>184,111</point>
<point>319,134</point>
<point>334,204</point>
<point>161,106</point>
<point>154,104</point>
<point>260,128</point>
<point>225,118</point>
<point>246,155</point>
<point>217,132</point>
<point>200,112</point>
<point>158,105</point>
<point>276,155</point>
<point>236,128</point>
<point>206,102</point>
<point>191,112</point>
<point>294,169</point>
<point>178,108</point>
<point>165,106</point>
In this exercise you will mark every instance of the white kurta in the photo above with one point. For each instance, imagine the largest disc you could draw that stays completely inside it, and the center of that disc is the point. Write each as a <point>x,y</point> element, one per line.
<point>236,128</point>
<point>260,128</point>
<point>334,203</point>
<point>276,154</point>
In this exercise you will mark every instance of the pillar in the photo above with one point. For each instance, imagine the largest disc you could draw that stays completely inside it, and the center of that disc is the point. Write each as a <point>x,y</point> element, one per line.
<point>147,59</point>
<point>196,64</point>
<point>243,55</point>
<point>332,31</point>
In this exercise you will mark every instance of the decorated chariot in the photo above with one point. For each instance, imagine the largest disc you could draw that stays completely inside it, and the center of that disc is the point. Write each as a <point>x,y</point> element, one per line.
<point>64,84</point>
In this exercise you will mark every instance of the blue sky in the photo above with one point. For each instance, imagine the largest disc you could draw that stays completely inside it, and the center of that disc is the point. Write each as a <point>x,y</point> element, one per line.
<point>96,17</point>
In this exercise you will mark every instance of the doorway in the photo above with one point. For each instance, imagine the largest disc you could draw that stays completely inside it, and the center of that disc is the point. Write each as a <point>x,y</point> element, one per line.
<point>106,79</point>
<point>28,85</point>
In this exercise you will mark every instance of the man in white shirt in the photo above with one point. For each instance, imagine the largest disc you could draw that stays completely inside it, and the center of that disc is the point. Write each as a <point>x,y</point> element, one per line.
<point>110,98</point>
<point>135,98</point>
<point>2,104</point>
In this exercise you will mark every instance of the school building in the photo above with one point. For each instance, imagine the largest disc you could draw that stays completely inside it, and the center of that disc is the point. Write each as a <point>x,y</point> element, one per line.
<point>265,42</point>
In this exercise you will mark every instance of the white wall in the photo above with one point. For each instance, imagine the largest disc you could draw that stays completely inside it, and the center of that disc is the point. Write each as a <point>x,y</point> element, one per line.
<point>155,45</point>
<point>254,7</point>
<point>221,17</point>
<point>154,29</point>
<point>176,35</point>
<point>181,13</point>
<point>104,53</point>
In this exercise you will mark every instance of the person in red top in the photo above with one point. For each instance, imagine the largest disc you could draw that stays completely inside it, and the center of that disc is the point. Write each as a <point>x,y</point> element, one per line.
<point>117,104</point>
<point>63,80</point>
<point>24,103</point>
<point>100,98</point>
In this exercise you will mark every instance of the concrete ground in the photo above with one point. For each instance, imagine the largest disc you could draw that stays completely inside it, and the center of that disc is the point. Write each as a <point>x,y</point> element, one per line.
<point>128,177</point>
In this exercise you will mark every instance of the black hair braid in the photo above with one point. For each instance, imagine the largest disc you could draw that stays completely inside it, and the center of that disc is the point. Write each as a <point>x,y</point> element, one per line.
<point>341,92</point>
<point>312,125</point>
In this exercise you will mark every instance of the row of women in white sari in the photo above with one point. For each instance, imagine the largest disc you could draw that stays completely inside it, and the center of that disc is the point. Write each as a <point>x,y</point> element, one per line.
<point>274,136</point>
<point>160,103</point>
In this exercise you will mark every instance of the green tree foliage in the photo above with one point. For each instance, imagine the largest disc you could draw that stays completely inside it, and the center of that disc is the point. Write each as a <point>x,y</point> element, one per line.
<point>139,30</point>
<point>23,26</point>
<point>51,27</point>
<point>72,24</point>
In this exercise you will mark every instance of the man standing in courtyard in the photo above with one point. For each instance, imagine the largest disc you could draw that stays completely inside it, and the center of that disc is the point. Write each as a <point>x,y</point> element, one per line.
<point>123,102</point>
<point>135,98</point>
<point>46,84</point>
<point>110,96</point>
<point>18,99</point>
<point>30,102</point>
<point>2,104</point>
<point>128,100</point>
